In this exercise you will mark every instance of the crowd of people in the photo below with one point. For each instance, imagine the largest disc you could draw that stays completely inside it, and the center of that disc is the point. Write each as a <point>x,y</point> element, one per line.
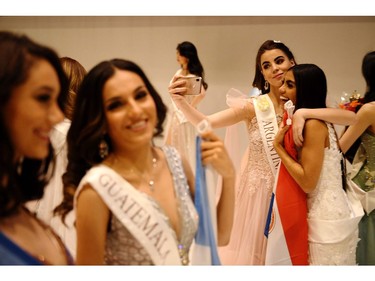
<point>83,182</point>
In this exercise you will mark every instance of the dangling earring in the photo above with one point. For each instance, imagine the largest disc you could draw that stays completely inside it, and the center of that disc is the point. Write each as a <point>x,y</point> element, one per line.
<point>42,174</point>
<point>103,149</point>
<point>19,166</point>
<point>266,85</point>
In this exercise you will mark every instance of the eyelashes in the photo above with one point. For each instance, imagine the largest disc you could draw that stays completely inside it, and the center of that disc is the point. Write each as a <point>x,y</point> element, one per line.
<point>120,102</point>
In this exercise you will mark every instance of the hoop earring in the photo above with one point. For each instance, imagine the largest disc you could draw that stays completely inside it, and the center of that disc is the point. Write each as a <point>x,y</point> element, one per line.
<point>266,85</point>
<point>103,149</point>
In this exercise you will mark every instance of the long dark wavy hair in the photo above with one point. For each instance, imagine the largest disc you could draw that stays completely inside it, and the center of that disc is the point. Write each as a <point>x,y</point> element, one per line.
<point>24,181</point>
<point>88,125</point>
<point>268,45</point>
<point>189,51</point>
<point>368,73</point>
<point>311,86</point>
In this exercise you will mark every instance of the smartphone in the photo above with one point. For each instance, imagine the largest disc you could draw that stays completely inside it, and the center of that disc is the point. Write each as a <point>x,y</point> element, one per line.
<point>193,85</point>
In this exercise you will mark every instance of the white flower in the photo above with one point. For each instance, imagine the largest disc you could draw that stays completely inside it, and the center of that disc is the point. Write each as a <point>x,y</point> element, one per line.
<point>262,103</point>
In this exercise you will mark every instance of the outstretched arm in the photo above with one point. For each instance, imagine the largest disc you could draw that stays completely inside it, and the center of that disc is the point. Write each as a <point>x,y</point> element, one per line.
<point>332,115</point>
<point>366,117</point>
<point>220,119</point>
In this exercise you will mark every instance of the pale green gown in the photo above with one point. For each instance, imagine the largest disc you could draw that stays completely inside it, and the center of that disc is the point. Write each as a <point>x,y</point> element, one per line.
<point>366,180</point>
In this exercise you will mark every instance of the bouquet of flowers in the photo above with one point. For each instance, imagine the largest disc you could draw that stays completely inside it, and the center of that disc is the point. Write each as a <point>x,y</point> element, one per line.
<point>350,102</point>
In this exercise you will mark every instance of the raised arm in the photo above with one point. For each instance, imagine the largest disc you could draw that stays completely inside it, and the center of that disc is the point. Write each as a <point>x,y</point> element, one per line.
<point>365,118</point>
<point>220,119</point>
<point>306,172</point>
<point>215,154</point>
<point>332,115</point>
<point>197,99</point>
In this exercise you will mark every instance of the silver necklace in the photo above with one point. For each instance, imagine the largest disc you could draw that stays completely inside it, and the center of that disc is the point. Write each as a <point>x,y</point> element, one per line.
<point>151,181</point>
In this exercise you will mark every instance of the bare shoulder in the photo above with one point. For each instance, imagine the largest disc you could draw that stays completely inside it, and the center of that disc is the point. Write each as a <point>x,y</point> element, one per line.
<point>366,115</point>
<point>315,123</point>
<point>368,109</point>
<point>178,72</point>
<point>88,193</point>
<point>315,127</point>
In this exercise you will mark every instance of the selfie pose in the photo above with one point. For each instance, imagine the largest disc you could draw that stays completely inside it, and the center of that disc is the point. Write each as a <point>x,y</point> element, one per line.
<point>181,133</point>
<point>256,178</point>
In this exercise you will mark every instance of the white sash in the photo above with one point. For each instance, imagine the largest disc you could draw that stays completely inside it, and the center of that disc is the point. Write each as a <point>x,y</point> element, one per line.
<point>268,127</point>
<point>136,213</point>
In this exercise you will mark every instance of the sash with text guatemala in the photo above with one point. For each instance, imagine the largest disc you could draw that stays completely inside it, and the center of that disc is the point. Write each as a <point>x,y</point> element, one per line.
<point>136,213</point>
<point>286,226</point>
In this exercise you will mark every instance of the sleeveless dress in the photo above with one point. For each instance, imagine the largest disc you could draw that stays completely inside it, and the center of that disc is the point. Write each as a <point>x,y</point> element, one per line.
<point>332,239</point>
<point>365,179</point>
<point>247,245</point>
<point>122,248</point>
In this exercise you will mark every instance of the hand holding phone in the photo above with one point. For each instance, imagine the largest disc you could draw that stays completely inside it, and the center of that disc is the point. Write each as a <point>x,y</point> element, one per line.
<point>193,85</point>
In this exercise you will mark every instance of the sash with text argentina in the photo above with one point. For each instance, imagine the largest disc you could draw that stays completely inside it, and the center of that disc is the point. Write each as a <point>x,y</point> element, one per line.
<point>204,250</point>
<point>286,226</point>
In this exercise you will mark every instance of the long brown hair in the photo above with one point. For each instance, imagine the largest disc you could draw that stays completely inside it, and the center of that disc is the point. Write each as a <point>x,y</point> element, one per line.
<point>24,181</point>
<point>75,73</point>
<point>88,125</point>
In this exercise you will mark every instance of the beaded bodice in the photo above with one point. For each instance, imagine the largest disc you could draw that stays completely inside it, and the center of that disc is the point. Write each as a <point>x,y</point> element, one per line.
<point>328,204</point>
<point>366,176</point>
<point>123,249</point>
<point>329,196</point>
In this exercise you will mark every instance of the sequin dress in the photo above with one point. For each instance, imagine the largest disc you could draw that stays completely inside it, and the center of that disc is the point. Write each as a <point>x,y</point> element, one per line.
<point>366,180</point>
<point>123,249</point>
<point>328,211</point>
<point>247,244</point>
